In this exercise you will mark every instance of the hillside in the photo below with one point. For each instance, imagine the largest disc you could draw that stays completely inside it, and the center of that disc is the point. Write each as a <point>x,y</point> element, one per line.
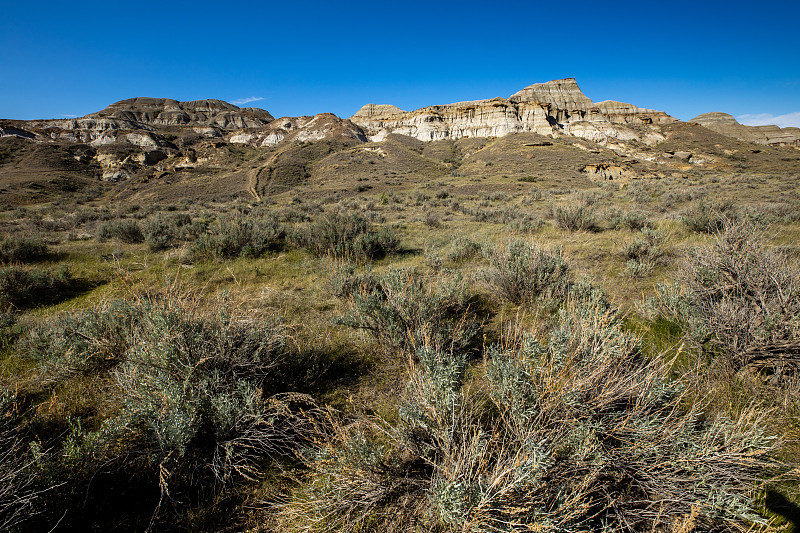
<point>159,149</point>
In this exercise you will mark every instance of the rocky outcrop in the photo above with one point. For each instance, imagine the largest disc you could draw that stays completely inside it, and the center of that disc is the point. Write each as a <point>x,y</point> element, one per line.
<point>212,117</point>
<point>481,118</point>
<point>553,108</point>
<point>622,113</point>
<point>80,130</point>
<point>768,135</point>
<point>300,129</point>
<point>602,172</point>
<point>561,94</point>
<point>378,111</point>
<point>12,131</point>
<point>168,112</point>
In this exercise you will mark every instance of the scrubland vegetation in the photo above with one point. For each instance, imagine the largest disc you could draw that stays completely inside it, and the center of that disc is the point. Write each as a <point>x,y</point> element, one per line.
<point>427,359</point>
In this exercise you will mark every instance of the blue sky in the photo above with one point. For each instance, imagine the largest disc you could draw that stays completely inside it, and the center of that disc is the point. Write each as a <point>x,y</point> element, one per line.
<point>301,58</point>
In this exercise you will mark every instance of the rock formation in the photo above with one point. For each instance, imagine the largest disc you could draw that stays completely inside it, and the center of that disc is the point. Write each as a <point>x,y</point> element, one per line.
<point>768,135</point>
<point>149,114</point>
<point>300,129</point>
<point>167,112</point>
<point>552,108</point>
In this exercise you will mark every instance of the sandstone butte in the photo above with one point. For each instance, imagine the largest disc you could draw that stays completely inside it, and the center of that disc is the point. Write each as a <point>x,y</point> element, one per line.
<point>554,108</point>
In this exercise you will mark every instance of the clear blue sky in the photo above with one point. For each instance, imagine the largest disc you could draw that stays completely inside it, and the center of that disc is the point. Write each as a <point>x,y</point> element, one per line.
<point>684,57</point>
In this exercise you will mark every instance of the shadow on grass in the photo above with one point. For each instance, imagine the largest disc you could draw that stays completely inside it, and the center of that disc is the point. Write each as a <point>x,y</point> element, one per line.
<point>781,505</point>
<point>321,372</point>
<point>57,293</point>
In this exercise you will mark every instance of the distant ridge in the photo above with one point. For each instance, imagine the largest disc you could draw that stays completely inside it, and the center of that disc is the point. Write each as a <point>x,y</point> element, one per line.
<point>769,135</point>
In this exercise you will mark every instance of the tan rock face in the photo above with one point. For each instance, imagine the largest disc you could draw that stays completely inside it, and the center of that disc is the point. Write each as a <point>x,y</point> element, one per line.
<point>562,94</point>
<point>378,111</point>
<point>168,112</point>
<point>300,129</point>
<point>768,135</point>
<point>146,115</point>
<point>621,113</point>
<point>552,108</point>
<point>610,172</point>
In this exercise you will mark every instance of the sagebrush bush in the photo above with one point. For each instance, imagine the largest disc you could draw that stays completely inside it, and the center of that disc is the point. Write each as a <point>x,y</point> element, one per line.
<point>26,287</point>
<point>632,220</point>
<point>526,224</point>
<point>461,249</point>
<point>345,278</point>
<point>405,310</point>
<point>580,433</point>
<point>708,217</point>
<point>644,252</point>
<point>527,273</point>
<point>15,249</point>
<point>85,342</point>
<point>432,219</point>
<point>741,296</point>
<point>346,235</point>
<point>162,232</point>
<point>238,236</point>
<point>203,402</point>
<point>575,217</point>
<point>9,329</point>
<point>194,391</point>
<point>125,230</point>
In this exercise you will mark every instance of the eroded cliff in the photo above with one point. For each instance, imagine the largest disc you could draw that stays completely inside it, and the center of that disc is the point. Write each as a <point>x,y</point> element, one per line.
<point>553,108</point>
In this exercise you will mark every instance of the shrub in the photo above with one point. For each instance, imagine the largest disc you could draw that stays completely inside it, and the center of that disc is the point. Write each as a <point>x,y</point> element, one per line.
<point>526,224</point>
<point>237,236</point>
<point>632,220</point>
<point>638,269</point>
<point>165,231</point>
<point>527,273</point>
<point>404,310</point>
<point>26,287</point>
<point>577,434</point>
<point>575,218</point>
<point>345,279</point>
<point>638,193</point>
<point>125,230</point>
<point>432,220</point>
<point>346,236</point>
<point>462,248</point>
<point>644,252</point>
<point>741,296</point>
<point>9,329</point>
<point>202,398</point>
<point>708,217</point>
<point>85,342</point>
<point>189,381</point>
<point>21,249</point>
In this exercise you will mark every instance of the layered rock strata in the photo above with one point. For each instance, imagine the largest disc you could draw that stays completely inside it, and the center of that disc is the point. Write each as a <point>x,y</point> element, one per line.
<point>150,114</point>
<point>552,108</point>
<point>300,129</point>
<point>168,112</point>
